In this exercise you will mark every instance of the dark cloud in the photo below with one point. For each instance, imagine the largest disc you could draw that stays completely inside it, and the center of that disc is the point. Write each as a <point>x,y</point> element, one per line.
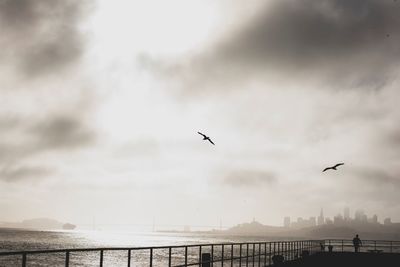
<point>61,132</point>
<point>344,41</point>
<point>249,178</point>
<point>21,173</point>
<point>41,37</point>
<point>56,133</point>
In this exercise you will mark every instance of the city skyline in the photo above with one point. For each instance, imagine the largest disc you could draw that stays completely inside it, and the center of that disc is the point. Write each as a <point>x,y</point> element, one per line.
<point>359,216</point>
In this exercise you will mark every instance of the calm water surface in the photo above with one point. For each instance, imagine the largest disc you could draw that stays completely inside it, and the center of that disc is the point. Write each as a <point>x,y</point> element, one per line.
<point>15,240</point>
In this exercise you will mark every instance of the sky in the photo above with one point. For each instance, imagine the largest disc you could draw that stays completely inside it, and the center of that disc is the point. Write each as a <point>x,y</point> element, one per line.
<point>101,102</point>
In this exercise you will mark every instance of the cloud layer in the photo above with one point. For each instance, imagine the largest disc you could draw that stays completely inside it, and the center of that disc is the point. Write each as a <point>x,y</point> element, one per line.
<point>41,37</point>
<point>348,43</point>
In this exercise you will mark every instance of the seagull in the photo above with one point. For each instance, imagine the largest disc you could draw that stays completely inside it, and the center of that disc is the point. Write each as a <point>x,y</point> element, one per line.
<point>205,137</point>
<point>333,167</point>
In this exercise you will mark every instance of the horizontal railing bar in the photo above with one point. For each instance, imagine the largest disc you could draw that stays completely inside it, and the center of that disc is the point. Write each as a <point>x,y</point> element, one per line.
<point>363,240</point>
<point>7,253</point>
<point>314,243</point>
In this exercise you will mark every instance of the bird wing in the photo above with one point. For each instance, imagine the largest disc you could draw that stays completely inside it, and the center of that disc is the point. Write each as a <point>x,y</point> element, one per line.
<point>339,164</point>
<point>211,141</point>
<point>201,134</point>
<point>327,169</point>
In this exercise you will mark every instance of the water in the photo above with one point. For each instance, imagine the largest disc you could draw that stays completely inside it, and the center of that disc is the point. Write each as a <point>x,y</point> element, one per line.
<point>16,240</point>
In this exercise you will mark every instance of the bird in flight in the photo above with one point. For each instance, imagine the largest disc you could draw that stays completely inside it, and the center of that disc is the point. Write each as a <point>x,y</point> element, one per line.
<point>205,137</point>
<point>333,167</point>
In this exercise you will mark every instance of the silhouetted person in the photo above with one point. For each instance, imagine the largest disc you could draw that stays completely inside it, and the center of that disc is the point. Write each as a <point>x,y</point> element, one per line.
<point>357,243</point>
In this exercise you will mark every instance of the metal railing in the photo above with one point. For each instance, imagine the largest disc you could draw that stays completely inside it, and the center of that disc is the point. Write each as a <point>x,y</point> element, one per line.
<point>224,254</point>
<point>378,246</point>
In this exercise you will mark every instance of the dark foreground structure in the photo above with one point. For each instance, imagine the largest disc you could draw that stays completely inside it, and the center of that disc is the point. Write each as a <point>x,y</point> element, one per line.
<point>347,259</point>
<point>332,252</point>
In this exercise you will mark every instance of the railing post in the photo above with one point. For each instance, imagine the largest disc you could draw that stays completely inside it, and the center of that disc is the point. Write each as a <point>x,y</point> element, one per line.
<point>186,255</point>
<point>254,248</point>
<point>247,254</point>
<point>222,256</point>
<point>129,258</point>
<point>270,252</point>
<point>286,248</point>
<point>279,247</point>
<point>24,259</point>
<point>170,256</point>
<point>101,258</point>
<point>67,259</point>
<point>200,257</point>
<point>375,245</point>
<point>212,255</point>
<point>151,257</point>
<point>259,254</point>
<point>342,245</point>
<point>232,255</point>
<point>391,247</point>
<point>265,253</point>
<point>240,255</point>
<point>291,251</point>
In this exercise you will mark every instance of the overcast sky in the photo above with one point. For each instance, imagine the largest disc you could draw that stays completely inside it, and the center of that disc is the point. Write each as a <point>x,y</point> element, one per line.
<point>101,102</point>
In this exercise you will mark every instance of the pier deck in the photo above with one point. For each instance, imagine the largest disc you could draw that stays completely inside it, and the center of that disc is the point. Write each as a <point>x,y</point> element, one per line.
<point>347,259</point>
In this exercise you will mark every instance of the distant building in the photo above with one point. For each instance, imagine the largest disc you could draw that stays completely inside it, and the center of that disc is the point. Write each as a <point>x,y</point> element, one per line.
<point>313,221</point>
<point>321,219</point>
<point>303,223</point>
<point>338,219</point>
<point>373,219</point>
<point>328,221</point>
<point>360,216</point>
<point>286,222</point>
<point>346,214</point>
<point>186,228</point>
<point>387,221</point>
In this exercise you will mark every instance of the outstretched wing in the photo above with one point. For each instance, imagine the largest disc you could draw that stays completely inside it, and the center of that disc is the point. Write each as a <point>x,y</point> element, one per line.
<point>201,134</point>
<point>327,169</point>
<point>211,141</point>
<point>339,164</point>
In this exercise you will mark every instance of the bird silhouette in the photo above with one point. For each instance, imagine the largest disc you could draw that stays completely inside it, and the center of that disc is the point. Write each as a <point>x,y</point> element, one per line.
<point>205,137</point>
<point>333,167</point>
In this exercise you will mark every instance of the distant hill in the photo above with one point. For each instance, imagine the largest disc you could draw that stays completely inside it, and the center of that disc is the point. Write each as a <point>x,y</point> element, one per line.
<point>39,224</point>
<point>254,228</point>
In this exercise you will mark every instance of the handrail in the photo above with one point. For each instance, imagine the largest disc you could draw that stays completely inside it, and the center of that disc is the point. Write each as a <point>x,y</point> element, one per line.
<point>140,248</point>
<point>249,252</point>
